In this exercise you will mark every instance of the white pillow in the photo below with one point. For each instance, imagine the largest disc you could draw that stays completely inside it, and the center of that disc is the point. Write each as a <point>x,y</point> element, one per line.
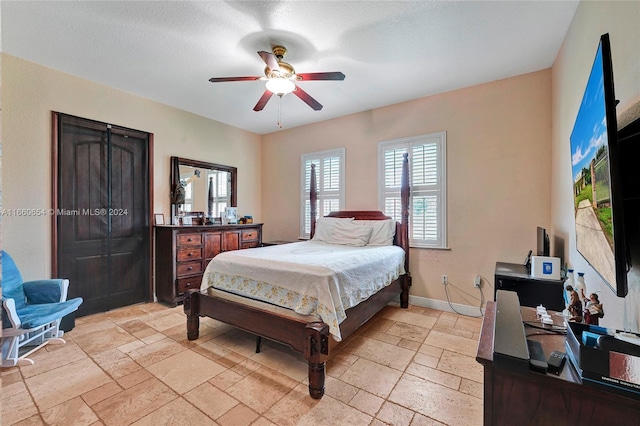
<point>382,233</point>
<point>324,226</point>
<point>350,234</point>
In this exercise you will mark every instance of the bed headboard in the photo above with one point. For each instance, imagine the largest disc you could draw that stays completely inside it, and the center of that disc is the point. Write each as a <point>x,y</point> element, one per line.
<point>401,238</point>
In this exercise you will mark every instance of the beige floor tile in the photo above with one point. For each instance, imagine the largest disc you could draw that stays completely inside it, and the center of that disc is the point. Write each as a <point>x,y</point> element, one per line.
<point>101,393</point>
<point>165,321</point>
<point>451,329</point>
<point>156,351</point>
<point>184,371</point>
<point>394,414</point>
<point>461,365</point>
<point>16,407</point>
<point>125,313</point>
<point>220,354</point>
<point>330,411</point>
<point>339,390</point>
<point>103,340</point>
<point>66,382</point>
<point>262,388</point>
<point>438,402</point>
<point>52,356</point>
<point>237,341</point>
<point>283,360</point>
<point>452,343</point>
<point>434,375</point>
<point>367,402</point>
<point>137,377</point>
<point>470,324</point>
<point>409,331</point>
<point>383,337</point>
<point>134,403</point>
<point>420,420</point>
<point>381,353</point>
<point>116,363</point>
<point>472,388</point>
<point>239,415</point>
<point>427,360</point>
<point>371,377</point>
<point>407,317</point>
<point>212,401</point>
<point>226,379</point>
<point>176,412</point>
<point>72,412</point>
<point>12,382</point>
<point>410,344</point>
<point>288,410</point>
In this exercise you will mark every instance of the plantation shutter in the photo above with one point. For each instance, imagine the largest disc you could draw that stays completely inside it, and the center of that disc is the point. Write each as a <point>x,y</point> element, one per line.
<point>330,181</point>
<point>427,215</point>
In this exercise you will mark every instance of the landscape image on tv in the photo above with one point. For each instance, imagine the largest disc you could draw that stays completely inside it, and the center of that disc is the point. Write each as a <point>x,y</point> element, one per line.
<point>591,187</point>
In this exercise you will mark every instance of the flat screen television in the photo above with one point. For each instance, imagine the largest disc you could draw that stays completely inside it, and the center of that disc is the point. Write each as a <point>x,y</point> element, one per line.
<point>543,245</point>
<point>597,191</point>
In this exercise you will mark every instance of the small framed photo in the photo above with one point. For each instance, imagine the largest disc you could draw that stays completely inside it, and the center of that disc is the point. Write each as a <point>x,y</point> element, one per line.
<point>158,218</point>
<point>231,214</point>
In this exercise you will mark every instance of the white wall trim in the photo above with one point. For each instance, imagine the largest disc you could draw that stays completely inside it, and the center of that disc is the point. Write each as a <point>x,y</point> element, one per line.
<point>443,305</point>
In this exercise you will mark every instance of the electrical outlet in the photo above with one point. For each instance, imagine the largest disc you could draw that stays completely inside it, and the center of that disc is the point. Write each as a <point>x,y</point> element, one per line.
<point>445,280</point>
<point>477,281</point>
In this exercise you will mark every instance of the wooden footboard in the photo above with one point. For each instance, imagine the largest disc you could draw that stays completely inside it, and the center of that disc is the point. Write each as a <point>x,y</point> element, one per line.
<point>309,338</point>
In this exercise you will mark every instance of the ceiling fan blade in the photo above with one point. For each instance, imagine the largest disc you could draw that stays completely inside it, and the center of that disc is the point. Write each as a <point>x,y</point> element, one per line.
<point>270,60</point>
<point>222,79</point>
<point>321,76</point>
<point>307,99</point>
<point>263,100</point>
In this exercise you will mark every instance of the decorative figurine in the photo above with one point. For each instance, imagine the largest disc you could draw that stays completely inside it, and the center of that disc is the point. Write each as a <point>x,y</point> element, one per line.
<point>592,309</point>
<point>575,305</point>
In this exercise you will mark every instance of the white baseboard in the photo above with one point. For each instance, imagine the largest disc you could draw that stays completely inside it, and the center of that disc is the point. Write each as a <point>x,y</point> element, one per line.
<point>443,305</point>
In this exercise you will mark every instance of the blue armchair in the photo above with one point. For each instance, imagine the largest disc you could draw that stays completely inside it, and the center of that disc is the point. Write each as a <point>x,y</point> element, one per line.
<point>31,313</point>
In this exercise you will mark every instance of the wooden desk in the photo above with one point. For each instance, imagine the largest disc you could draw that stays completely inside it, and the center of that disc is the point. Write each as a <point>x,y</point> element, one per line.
<point>545,399</point>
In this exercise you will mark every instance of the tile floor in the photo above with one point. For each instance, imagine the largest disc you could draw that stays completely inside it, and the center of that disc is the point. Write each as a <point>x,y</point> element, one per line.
<point>135,366</point>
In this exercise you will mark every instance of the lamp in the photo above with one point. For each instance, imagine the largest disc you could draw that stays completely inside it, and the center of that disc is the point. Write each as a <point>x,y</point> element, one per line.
<point>280,86</point>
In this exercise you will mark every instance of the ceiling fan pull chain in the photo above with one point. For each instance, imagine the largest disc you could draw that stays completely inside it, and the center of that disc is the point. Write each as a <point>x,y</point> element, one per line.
<point>280,111</point>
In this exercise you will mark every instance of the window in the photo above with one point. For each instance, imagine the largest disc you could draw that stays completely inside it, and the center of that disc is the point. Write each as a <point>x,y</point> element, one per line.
<point>330,182</point>
<point>219,194</point>
<point>427,177</point>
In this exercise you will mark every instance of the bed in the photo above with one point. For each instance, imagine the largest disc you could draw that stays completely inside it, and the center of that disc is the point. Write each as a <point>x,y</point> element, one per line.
<point>309,330</point>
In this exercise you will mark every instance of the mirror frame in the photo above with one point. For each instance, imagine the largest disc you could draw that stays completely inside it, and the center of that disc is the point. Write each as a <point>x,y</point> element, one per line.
<point>179,161</point>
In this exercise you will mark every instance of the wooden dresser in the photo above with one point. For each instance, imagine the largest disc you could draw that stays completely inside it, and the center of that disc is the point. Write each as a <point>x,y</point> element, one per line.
<point>183,252</point>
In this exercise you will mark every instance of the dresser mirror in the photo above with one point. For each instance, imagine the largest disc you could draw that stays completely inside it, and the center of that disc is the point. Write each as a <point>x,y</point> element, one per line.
<point>201,190</point>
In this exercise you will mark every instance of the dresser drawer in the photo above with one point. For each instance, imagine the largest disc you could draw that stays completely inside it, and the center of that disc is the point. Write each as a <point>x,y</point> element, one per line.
<point>188,268</point>
<point>191,283</point>
<point>189,239</point>
<point>249,244</point>
<point>189,253</point>
<point>249,234</point>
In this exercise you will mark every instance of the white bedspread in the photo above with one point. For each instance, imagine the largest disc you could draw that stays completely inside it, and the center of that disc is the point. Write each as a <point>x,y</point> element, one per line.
<point>309,277</point>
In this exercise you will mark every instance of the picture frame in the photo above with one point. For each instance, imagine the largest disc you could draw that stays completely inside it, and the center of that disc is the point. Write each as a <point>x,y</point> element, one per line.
<point>231,215</point>
<point>158,218</point>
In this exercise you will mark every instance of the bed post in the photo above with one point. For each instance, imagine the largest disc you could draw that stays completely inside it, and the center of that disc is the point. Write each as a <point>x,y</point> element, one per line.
<point>313,199</point>
<point>190,305</point>
<point>316,352</point>
<point>404,237</point>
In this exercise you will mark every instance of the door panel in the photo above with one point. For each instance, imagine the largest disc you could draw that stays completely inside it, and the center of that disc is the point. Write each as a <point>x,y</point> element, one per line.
<point>104,248</point>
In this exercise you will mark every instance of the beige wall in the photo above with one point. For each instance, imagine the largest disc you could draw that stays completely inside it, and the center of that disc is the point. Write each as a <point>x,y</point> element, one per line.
<point>570,72</point>
<point>30,92</point>
<point>498,160</point>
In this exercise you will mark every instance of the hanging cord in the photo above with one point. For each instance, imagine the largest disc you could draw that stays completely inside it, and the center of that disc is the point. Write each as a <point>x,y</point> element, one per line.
<point>446,291</point>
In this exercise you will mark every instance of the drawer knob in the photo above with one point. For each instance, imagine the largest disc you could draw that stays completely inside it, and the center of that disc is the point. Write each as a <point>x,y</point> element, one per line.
<point>190,268</point>
<point>190,254</point>
<point>188,285</point>
<point>189,239</point>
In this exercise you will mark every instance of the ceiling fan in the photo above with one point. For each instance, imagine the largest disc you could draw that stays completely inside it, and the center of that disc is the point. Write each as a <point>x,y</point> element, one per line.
<point>281,77</point>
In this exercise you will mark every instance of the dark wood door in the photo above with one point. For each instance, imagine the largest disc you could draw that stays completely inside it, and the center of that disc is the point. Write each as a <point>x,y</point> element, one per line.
<point>103,241</point>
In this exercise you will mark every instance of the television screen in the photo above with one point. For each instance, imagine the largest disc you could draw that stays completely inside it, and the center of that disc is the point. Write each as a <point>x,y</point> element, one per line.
<point>596,190</point>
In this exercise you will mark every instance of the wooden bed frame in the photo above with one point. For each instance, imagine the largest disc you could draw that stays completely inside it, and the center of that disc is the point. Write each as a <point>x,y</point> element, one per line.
<point>308,338</point>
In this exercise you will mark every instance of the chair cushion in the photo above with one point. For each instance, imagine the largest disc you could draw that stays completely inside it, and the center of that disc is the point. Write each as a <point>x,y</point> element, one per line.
<point>12,281</point>
<point>36,315</point>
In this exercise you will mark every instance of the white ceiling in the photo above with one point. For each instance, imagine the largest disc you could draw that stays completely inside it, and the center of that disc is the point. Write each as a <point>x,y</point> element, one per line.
<point>390,51</point>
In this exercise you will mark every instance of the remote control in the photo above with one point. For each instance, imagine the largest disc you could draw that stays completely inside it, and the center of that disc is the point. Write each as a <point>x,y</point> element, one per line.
<point>537,360</point>
<point>556,362</point>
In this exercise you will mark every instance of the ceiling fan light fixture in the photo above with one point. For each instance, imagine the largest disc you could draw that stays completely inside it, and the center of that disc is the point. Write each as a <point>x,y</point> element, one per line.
<point>280,86</point>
